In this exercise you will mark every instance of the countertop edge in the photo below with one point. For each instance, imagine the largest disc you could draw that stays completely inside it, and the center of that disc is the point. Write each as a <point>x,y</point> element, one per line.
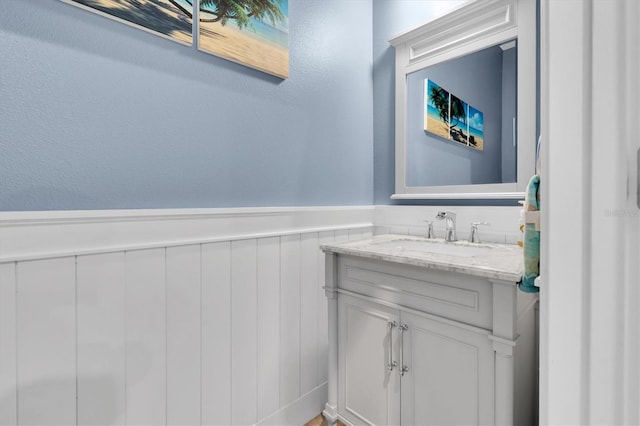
<point>473,270</point>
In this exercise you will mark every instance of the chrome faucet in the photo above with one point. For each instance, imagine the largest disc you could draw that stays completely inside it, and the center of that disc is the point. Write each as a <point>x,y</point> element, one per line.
<point>430,233</point>
<point>450,218</point>
<point>473,233</point>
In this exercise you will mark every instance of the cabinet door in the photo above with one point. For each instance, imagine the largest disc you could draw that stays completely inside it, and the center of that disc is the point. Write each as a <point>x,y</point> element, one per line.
<point>368,393</point>
<point>450,374</point>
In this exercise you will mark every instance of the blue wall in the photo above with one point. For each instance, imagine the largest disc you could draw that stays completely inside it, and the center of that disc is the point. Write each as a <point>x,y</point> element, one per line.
<point>98,115</point>
<point>390,18</point>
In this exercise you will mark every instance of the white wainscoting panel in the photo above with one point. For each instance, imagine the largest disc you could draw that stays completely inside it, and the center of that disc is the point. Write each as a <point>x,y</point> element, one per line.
<point>342,235</point>
<point>308,312</point>
<point>244,332</point>
<point>46,341</point>
<point>146,337</point>
<point>290,319</point>
<point>211,317</point>
<point>101,305</point>
<point>268,326</point>
<point>183,335</point>
<point>216,333</point>
<point>8,370</point>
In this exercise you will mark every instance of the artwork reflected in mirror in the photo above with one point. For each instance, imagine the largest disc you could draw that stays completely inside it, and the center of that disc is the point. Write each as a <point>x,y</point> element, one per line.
<point>449,117</point>
<point>436,111</point>
<point>458,129</point>
<point>460,120</point>
<point>476,128</point>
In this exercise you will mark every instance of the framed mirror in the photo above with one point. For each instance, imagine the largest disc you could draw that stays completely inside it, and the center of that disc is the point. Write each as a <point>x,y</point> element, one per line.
<point>466,103</point>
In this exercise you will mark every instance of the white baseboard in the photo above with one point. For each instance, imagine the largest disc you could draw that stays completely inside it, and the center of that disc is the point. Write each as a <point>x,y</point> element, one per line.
<point>301,410</point>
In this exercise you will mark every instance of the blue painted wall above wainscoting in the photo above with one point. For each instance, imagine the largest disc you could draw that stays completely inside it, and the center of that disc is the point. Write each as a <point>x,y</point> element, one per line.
<point>95,114</point>
<point>390,18</point>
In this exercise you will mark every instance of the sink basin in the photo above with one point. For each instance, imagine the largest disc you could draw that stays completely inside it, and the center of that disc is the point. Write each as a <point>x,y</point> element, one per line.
<point>458,249</point>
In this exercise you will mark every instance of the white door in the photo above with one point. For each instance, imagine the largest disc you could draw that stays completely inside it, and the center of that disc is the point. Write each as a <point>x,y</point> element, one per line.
<point>449,377</point>
<point>368,391</point>
<point>590,322</point>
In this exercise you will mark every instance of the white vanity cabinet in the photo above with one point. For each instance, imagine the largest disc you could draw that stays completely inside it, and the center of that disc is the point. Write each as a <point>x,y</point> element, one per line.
<point>449,369</point>
<point>419,345</point>
<point>367,391</point>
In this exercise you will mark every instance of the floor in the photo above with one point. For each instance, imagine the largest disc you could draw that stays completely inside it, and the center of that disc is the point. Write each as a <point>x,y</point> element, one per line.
<point>320,421</point>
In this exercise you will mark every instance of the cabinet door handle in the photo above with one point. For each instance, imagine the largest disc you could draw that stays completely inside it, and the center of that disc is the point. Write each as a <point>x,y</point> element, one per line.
<point>403,368</point>
<point>391,363</point>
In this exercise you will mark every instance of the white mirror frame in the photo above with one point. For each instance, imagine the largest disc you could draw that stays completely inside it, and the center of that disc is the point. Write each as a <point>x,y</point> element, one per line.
<point>474,26</point>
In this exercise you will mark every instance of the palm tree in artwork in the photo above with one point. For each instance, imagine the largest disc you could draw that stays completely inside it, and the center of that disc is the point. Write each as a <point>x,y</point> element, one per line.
<point>440,99</point>
<point>458,113</point>
<point>240,11</point>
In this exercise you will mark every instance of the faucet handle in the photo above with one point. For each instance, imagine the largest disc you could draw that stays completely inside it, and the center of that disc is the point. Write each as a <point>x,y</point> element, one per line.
<point>430,233</point>
<point>479,223</point>
<point>473,234</point>
<point>445,214</point>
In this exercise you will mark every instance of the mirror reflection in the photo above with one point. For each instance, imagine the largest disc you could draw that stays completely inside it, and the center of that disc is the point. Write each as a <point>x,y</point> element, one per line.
<point>461,120</point>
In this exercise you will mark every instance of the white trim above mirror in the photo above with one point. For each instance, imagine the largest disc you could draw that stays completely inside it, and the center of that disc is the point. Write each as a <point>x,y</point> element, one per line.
<point>474,26</point>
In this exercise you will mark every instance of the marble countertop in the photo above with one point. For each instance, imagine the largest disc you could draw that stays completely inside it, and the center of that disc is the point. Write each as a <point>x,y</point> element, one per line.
<point>498,261</point>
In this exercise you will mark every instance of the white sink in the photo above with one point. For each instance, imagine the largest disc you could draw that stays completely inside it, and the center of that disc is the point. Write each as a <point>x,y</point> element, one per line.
<point>458,248</point>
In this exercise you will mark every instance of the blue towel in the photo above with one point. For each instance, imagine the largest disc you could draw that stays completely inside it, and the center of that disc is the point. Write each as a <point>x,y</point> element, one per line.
<point>531,241</point>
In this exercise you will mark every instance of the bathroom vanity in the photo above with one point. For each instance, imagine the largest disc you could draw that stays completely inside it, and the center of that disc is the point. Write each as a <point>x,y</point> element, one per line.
<point>428,332</point>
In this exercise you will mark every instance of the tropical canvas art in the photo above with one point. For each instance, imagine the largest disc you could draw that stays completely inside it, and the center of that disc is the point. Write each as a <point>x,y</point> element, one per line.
<point>254,33</point>
<point>168,18</point>
<point>450,117</point>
